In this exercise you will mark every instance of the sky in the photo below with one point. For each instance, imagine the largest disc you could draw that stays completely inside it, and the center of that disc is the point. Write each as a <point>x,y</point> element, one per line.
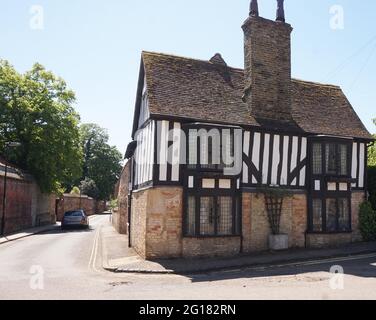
<point>96,45</point>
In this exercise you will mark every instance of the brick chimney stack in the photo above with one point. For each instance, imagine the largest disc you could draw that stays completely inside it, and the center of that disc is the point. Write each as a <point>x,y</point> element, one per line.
<point>267,47</point>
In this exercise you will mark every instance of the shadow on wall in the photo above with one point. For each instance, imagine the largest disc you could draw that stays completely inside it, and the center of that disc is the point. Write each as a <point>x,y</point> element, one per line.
<point>120,214</point>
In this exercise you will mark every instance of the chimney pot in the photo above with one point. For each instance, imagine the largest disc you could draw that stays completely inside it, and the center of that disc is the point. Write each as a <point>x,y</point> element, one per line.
<point>254,11</point>
<point>280,11</point>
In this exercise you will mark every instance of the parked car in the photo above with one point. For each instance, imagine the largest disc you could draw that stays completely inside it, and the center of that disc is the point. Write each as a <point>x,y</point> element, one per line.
<point>76,218</point>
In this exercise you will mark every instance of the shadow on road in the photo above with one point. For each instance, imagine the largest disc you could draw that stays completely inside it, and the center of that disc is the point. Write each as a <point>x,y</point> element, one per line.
<point>58,230</point>
<point>359,268</point>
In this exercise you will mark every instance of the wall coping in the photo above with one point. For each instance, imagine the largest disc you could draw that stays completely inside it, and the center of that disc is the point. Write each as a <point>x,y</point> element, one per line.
<point>77,196</point>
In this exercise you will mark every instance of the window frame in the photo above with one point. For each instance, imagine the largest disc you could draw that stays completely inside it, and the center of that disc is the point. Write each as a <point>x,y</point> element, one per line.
<point>324,142</point>
<point>198,192</point>
<point>324,215</point>
<point>323,194</point>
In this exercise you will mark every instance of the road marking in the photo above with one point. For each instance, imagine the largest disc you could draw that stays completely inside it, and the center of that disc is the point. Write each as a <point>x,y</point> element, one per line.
<point>94,252</point>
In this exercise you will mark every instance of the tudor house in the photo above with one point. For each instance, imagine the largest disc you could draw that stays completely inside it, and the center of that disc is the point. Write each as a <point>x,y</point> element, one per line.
<point>288,134</point>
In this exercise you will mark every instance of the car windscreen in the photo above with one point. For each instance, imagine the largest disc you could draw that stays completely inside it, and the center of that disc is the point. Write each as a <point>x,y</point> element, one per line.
<point>74,214</point>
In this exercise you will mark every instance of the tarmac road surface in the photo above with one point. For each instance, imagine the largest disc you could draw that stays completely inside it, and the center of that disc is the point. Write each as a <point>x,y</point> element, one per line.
<point>62,265</point>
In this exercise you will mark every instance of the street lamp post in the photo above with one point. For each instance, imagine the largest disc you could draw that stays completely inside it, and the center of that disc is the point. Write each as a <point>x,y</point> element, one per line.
<point>7,145</point>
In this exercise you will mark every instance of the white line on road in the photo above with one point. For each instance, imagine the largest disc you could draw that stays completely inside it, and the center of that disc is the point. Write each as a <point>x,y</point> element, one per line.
<point>94,251</point>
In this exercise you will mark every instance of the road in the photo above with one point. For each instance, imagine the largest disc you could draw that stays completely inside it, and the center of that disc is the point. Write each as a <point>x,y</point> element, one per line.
<point>67,265</point>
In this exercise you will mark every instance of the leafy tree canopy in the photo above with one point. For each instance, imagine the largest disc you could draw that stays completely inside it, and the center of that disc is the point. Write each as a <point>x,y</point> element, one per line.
<point>102,162</point>
<point>89,188</point>
<point>36,110</point>
<point>75,191</point>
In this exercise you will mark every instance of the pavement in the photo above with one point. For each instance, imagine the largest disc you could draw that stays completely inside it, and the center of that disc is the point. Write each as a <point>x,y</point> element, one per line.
<point>28,233</point>
<point>118,258</point>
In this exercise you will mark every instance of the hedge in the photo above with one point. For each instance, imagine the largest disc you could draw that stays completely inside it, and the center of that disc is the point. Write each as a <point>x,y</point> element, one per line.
<point>372,186</point>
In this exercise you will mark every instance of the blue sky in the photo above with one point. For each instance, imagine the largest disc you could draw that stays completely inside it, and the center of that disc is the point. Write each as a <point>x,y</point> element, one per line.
<point>95,45</point>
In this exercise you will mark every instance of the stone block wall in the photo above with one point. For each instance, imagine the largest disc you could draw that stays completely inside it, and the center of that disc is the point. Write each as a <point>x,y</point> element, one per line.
<point>164,222</point>
<point>138,221</point>
<point>156,228</point>
<point>328,240</point>
<point>157,219</point>
<point>211,247</point>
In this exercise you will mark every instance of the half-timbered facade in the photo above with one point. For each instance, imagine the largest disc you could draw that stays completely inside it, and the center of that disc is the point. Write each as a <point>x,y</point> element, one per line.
<point>208,138</point>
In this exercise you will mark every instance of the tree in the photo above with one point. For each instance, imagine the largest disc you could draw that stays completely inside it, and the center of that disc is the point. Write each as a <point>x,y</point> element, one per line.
<point>372,152</point>
<point>102,163</point>
<point>367,222</point>
<point>89,188</point>
<point>36,110</point>
<point>75,191</point>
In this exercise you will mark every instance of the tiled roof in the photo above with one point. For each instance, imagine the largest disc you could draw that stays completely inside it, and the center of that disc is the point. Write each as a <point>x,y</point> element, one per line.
<point>211,91</point>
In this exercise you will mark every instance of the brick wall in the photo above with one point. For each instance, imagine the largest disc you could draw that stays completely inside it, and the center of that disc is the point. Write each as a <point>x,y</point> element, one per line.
<point>256,228</point>
<point>75,202</point>
<point>120,214</point>
<point>267,47</point>
<point>18,204</point>
<point>26,205</point>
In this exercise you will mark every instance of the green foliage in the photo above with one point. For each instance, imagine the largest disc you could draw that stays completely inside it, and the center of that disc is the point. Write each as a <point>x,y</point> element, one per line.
<point>367,221</point>
<point>372,152</point>
<point>36,110</point>
<point>113,204</point>
<point>372,185</point>
<point>75,191</point>
<point>89,188</point>
<point>102,163</point>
